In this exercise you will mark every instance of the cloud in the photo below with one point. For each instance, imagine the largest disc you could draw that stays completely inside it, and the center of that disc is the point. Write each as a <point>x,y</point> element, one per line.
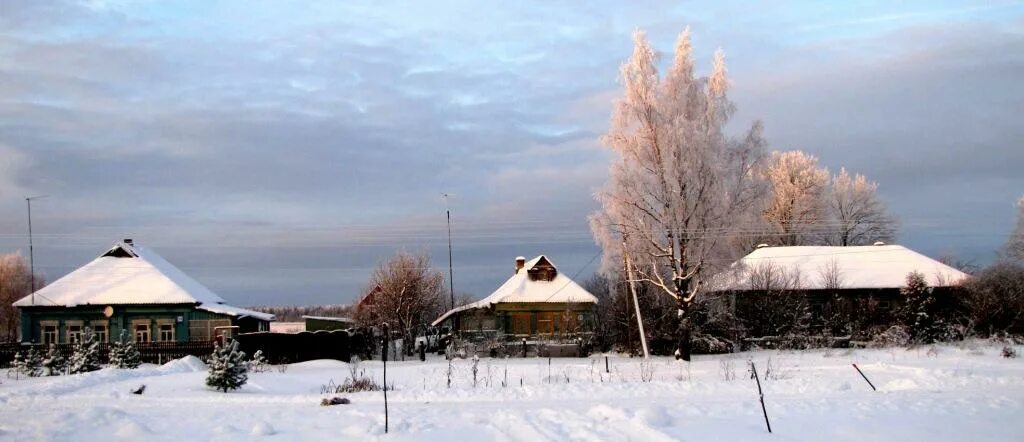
<point>249,143</point>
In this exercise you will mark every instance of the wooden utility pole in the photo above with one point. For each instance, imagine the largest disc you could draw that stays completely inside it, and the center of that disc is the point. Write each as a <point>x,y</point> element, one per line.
<point>636,304</point>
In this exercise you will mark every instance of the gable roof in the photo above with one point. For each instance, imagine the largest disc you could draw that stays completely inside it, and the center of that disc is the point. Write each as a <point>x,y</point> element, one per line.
<point>520,288</point>
<point>859,267</point>
<point>131,274</point>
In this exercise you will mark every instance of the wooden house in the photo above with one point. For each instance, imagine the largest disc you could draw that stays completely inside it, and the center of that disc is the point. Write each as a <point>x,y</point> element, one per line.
<point>537,301</point>
<point>868,277</point>
<point>132,288</point>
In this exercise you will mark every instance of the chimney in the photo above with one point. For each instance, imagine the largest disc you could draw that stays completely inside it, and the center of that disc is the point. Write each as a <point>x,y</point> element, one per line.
<point>128,241</point>
<point>520,263</point>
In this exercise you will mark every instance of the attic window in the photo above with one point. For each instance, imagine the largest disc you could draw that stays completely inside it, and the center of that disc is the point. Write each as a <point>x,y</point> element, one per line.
<point>543,273</point>
<point>119,252</point>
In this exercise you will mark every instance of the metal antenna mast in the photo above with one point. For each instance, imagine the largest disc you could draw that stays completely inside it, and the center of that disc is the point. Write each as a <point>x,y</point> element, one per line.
<point>31,251</point>
<point>451,271</point>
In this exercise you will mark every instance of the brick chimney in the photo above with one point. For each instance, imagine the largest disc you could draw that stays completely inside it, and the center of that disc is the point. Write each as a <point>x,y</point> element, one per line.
<point>520,263</point>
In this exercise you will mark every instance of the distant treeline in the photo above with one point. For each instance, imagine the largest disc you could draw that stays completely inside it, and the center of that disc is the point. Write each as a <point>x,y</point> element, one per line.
<point>294,313</point>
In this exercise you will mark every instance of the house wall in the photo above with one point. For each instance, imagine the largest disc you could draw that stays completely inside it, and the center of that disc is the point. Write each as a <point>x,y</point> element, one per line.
<point>122,319</point>
<point>551,316</point>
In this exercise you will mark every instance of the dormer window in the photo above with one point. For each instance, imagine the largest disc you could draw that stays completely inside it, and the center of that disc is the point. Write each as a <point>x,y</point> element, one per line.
<point>543,270</point>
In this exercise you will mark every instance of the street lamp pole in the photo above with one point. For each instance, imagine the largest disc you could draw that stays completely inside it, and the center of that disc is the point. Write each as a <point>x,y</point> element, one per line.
<point>31,251</point>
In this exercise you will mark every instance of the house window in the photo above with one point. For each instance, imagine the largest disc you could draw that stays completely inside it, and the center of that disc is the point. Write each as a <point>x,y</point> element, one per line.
<point>141,331</point>
<point>545,323</point>
<point>74,332</point>
<point>100,330</point>
<point>49,332</point>
<point>166,332</point>
<point>521,323</point>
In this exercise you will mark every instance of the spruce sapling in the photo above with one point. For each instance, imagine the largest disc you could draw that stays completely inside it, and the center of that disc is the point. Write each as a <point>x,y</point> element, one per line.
<point>54,364</point>
<point>85,356</point>
<point>124,353</point>
<point>228,368</point>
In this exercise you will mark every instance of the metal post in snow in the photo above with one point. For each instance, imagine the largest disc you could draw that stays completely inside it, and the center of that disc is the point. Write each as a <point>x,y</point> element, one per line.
<point>384,351</point>
<point>865,377</point>
<point>760,394</point>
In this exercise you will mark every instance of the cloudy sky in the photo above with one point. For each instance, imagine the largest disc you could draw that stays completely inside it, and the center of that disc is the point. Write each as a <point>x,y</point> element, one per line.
<point>276,151</point>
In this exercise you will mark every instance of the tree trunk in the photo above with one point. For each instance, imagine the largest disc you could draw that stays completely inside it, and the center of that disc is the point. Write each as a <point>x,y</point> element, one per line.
<point>683,331</point>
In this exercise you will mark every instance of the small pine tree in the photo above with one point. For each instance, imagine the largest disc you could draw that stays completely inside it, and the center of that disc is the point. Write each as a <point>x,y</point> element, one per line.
<point>228,368</point>
<point>85,355</point>
<point>28,363</point>
<point>124,353</point>
<point>33,365</point>
<point>920,310</point>
<point>258,364</point>
<point>54,364</point>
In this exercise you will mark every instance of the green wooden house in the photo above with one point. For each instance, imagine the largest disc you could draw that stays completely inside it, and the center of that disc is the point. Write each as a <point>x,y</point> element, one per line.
<point>132,288</point>
<point>536,302</point>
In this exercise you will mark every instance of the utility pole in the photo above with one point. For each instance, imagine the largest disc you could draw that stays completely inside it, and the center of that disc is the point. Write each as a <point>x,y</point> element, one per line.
<point>451,271</point>
<point>636,304</point>
<point>31,252</point>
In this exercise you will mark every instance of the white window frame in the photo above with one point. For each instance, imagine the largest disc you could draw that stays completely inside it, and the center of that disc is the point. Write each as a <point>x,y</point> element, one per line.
<point>55,331</point>
<point>73,337</point>
<point>135,330</point>
<point>160,324</point>
<point>100,336</point>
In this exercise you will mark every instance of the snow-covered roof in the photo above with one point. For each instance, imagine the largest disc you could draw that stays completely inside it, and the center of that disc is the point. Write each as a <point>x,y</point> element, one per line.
<point>130,274</point>
<point>521,288</point>
<point>329,318</point>
<point>857,267</point>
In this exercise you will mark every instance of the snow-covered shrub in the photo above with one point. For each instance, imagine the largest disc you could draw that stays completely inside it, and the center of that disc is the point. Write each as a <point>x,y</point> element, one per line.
<point>124,353</point>
<point>228,368</point>
<point>1008,352</point>
<point>921,313</point>
<point>895,336</point>
<point>85,354</point>
<point>258,364</point>
<point>54,363</point>
<point>29,363</point>
<point>994,299</point>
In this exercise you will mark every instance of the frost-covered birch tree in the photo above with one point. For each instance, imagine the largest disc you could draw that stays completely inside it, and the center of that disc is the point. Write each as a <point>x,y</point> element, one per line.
<point>677,181</point>
<point>796,208</point>
<point>858,217</point>
<point>1014,248</point>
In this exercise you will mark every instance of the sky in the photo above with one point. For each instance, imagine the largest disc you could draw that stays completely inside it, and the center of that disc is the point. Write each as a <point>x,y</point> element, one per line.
<point>277,151</point>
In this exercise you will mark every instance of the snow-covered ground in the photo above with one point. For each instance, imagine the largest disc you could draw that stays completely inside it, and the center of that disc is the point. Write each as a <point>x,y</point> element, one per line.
<point>960,393</point>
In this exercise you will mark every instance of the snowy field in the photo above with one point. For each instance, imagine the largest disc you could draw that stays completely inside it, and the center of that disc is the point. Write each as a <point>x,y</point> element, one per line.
<point>950,393</point>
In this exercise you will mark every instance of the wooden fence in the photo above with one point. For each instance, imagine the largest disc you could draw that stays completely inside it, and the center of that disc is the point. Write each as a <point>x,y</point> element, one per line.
<point>151,352</point>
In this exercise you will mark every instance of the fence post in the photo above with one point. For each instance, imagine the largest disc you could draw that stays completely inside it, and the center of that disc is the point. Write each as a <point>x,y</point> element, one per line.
<point>385,358</point>
<point>865,377</point>
<point>753,371</point>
